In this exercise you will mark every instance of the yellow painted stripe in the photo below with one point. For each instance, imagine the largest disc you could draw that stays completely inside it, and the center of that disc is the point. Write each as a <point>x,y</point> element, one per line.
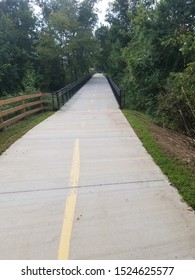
<point>64,247</point>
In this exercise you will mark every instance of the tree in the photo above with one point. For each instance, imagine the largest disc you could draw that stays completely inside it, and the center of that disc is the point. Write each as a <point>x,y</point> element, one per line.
<point>87,17</point>
<point>175,20</point>
<point>51,51</point>
<point>68,40</point>
<point>102,37</point>
<point>49,65</point>
<point>158,48</point>
<point>118,36</point>
<point>17,25</point>
<point>148,48</point>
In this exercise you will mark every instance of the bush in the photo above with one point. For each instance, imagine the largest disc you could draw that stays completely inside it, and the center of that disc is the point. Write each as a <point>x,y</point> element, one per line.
<point>176,105</point>
<point>29,82</point>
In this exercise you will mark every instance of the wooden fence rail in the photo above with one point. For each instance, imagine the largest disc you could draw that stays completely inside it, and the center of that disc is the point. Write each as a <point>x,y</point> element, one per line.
<point>16,108</point>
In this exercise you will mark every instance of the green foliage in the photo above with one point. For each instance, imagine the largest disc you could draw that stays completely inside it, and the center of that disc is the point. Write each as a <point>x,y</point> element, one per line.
<point>87,18</point>
<point>66,45</point>
<point>48,50</point>
<point>49,66</point>
<point>147,49</point>
<point>101,35</point>
<point>17,25</point>
<point>29,82</point>
<point>177,103</point>
<point>113,39</point>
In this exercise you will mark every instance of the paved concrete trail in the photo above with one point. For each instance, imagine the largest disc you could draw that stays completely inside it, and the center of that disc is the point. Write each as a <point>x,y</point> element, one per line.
<point>80,185</point>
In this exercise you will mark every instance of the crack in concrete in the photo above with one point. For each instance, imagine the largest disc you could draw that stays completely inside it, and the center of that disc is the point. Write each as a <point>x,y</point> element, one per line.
<point>84,186</point>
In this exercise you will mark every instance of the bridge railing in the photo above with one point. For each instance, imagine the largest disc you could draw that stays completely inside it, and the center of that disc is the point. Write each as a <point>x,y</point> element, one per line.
<point>60,97</point>
<point>119,95</point>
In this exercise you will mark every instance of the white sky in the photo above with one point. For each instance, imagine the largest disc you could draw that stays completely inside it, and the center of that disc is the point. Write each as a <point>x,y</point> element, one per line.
<point>102,6</point>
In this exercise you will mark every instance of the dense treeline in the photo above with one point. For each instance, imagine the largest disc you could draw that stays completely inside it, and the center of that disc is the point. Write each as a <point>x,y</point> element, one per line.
<point>149,50</point>
<point>45,49</point>
<point>147,47</point>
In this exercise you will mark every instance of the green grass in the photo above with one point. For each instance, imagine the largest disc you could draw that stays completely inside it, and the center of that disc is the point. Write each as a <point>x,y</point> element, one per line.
<point>177,172</point>
<point>9,135</point>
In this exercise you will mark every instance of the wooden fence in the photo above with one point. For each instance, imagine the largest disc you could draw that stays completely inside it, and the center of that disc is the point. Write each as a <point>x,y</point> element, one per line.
<point>14,109</point>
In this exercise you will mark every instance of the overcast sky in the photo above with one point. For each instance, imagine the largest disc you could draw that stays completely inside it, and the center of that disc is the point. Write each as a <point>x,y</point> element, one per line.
<point>102,6</point>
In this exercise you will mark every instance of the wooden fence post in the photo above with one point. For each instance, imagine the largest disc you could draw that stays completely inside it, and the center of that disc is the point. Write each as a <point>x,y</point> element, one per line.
<point>42,100</point>
<point>1,118</point>
<point>23,105</point>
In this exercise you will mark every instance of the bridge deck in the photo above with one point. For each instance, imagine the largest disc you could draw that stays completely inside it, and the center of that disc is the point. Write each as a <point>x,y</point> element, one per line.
<point>80,185</point>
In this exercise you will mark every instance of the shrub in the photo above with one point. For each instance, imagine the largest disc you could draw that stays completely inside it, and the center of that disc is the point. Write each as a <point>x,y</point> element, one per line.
<point>176,105</point>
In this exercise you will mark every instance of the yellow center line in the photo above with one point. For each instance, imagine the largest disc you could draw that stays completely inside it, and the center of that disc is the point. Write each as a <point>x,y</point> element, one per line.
<point>64,246</point>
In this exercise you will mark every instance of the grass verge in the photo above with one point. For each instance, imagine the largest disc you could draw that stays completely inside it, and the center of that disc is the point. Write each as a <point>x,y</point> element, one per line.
<point>9,135</point>
<point>178,174</point>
